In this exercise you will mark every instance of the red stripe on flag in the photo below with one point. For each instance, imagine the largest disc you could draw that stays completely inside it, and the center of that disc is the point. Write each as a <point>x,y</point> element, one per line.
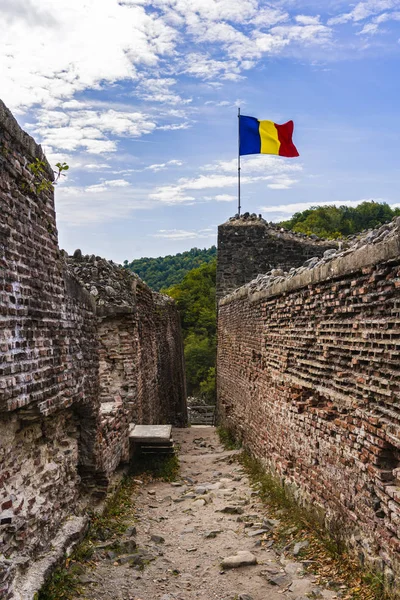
<point>285,133</point>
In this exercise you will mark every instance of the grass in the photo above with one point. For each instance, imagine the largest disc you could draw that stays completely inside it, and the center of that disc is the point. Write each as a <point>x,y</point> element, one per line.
<point>228,439</point>
<point>117,516</point>
<point>326,553</point>
<point>164,469</point>
<point>118,513</point>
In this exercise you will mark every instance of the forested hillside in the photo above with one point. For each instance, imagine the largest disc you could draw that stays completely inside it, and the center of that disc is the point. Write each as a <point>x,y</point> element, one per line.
<point>164,271</point>
<point>339,221</point>
<point>195,297</point>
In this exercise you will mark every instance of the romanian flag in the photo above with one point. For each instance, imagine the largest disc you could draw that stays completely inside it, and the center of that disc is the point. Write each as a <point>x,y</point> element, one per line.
<point>265,137</point>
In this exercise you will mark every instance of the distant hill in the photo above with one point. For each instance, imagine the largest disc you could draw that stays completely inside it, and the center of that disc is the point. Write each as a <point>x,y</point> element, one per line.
<point>165,271</point>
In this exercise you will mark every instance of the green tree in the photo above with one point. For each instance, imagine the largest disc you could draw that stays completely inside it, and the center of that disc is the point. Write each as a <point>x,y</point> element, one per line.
<point>165,271</point>
<point>196,301</point>
<point>334,222</point>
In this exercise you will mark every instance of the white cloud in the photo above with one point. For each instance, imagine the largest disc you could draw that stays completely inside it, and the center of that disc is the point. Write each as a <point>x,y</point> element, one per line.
<point>282,183</point>
<point>237,11</point>
<point>369,29</point>
<point>204,66</point>
<point>79,206</point>
<point>392,16</point>
<point>223,174</point>
<point>267,17</point>
<point>159,90</point>
<point>104,185</point>
<point>53,51</point>
<point>26,11</point>
<point>117,183</point>
<point>182,234</point>
<point>373,27</point>
<point>307,20</point>
<point>92,189</point>
<point>363,10</point>
<point>89,129</point>
<point>215,103</point>
<point>162,166</point>
<point>171,194</point>
<point>262,163</point>
<point>175,126</point>
<point>238,27</point>
<point>306,33</point>
<point>83,45</point>
<point>96,166</point>
<point>225,198</point>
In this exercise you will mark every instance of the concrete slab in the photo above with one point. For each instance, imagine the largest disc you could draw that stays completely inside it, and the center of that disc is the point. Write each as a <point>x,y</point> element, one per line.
<point>150,433</point>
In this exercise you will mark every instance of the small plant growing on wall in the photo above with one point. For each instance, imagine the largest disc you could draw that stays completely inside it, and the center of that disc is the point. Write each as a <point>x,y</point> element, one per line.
<point>38,169</point>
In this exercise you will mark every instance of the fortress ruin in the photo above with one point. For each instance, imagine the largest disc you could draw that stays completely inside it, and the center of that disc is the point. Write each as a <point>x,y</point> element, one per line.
<point>308,377</point>
<point>86,349</point>
<point>308,372</point>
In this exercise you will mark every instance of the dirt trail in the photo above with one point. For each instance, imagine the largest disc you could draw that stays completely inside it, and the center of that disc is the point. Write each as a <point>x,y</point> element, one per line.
<point>183,536</point>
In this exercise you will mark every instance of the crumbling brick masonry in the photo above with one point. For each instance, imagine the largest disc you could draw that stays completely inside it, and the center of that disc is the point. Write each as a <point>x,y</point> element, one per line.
<point>77,366</point>
<point>309,378</point>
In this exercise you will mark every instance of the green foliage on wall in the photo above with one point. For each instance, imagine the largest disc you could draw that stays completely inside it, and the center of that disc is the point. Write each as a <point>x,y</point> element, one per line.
<point>333,222</point>
<point>195,298</point>
<point>164,271</point>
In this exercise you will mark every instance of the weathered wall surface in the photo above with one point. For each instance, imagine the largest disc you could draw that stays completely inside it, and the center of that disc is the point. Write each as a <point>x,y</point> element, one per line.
<point>248,246</point>
<point>71,360</point>
<point>309,378</point>
<point>161,381</point>
<point>140,355</point>
<point>170,363</point>
<point>48,362</point>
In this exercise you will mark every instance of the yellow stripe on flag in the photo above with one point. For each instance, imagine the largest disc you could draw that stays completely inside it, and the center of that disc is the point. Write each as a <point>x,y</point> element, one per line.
<point>270,143</point>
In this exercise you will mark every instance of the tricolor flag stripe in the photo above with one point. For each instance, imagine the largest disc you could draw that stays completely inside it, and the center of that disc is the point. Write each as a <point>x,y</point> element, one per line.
<point>266,137</point>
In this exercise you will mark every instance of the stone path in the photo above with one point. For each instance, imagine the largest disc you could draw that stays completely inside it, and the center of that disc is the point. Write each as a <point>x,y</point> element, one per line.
<point>191,537</point>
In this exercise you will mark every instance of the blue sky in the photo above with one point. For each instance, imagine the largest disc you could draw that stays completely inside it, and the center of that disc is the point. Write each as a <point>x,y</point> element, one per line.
<point>140,98</point>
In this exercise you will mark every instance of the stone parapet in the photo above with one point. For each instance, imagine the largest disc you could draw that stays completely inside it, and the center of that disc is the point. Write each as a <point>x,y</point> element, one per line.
<point>248,246</point>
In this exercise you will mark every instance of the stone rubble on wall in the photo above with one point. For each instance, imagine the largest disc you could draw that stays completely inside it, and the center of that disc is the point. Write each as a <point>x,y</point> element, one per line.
<point>248,245</point>
<point>374,236</point>
<point>110,284</point>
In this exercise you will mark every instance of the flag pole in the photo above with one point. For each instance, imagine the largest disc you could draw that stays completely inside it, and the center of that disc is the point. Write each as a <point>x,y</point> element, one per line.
<point>239,207</point>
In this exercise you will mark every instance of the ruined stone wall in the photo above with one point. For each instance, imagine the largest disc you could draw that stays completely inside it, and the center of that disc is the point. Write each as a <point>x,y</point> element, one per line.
<point>48,363</point>
<point>73,370</point>
<point>248,246</point>
<point>147,356</point>
<point>309,378</point>
<point>140,355</point>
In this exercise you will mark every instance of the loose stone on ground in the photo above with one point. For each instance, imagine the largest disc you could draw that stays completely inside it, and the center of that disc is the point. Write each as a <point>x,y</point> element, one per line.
<point>200,538</point>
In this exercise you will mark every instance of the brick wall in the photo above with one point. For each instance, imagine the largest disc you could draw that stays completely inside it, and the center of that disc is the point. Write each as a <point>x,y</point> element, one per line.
<point>309,379</point>
<point>77,364</point>
<point>170,363</point>
<point>248,246</point>
<point>161,380</point>
<point>48,362</point>
<point>141,368</point>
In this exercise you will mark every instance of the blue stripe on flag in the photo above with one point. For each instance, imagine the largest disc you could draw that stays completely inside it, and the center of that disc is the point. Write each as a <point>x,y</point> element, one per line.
<point>250,141</point>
